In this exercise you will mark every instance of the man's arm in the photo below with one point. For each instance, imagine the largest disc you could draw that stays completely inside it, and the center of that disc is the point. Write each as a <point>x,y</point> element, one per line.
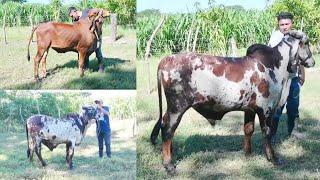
<point>105,112</point>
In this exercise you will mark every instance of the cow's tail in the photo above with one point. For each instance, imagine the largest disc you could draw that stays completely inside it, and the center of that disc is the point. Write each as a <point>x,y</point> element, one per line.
<point>33,29</point>
<point>28,151</point>
<point>157,127</point>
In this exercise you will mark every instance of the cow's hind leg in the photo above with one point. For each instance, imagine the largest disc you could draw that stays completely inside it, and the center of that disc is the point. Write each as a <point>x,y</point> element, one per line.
<point>248,129</point>
<point>38,152</point>
<point>82,59</point>
<point>266,128</point>
<point>37,60</point>
<point>30,151</point>
<point>170,123</point>
<point>43,64</point>
<point>70,152</point>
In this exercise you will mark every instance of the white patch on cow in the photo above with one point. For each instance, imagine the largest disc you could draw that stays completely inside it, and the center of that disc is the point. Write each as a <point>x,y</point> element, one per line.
<point>173,119</point>
<point>226,93</point>
<point>165,75</point>
<point>175,75</point>
<point>61,131</point>
<point>197,62</point>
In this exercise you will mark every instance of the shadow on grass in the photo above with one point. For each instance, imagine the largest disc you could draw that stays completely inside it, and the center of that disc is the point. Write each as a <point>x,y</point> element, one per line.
<point>114,77</point>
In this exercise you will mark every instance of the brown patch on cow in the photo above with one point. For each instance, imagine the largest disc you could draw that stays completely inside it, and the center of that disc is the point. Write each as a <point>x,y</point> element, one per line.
<point>241,94</point>
<point>254,79</point>
<point>165,118</point>
<point>233,68</point>
<point>261,68</point>
<point>263,88</point>
<point>35,124</point>
<point>199,98</point>
<point>166,151</point>
<point>252,101</point>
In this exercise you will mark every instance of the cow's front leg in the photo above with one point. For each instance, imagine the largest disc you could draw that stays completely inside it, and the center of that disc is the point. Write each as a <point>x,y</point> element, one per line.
<point>169,124</point>
<point>248,129</point>
<point>266,128</point>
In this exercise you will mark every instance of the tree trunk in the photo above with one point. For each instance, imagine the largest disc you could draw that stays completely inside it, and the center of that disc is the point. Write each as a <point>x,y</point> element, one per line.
<point>114,23</point>
<point>148,48</point>
<point>195,39</point>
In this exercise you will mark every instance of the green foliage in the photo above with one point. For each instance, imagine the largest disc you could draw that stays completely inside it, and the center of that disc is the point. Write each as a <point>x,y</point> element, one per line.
<point>17,106</point>
<point>19,14</point>
<point>218,24</point>
<point>308,11</point>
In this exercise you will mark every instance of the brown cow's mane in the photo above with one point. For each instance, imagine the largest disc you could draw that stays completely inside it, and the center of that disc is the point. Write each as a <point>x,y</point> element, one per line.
<point>269,57</point>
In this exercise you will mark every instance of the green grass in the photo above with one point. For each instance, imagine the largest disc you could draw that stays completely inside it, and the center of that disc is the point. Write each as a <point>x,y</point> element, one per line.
<point>122,165</point>
<point>205,152</point>
<point>17,73</point>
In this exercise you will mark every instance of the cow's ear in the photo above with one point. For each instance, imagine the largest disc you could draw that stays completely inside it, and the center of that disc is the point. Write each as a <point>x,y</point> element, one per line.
<point>105,13</point>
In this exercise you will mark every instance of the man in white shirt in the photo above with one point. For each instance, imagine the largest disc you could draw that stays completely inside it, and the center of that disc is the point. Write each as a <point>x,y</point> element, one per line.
<point>285,22</point>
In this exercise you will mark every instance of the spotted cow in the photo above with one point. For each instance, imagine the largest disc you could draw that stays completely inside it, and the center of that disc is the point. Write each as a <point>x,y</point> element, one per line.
<point>52,131</point>
<point>257,83</point>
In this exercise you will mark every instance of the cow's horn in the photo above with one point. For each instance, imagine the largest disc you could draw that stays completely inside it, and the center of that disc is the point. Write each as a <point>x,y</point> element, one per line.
<point>99,15</point>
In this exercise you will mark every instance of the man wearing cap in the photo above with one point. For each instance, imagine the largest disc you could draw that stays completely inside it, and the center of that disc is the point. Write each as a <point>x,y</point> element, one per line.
<point>285,22</point>
<point>76,16</point>
<point>103,128</point>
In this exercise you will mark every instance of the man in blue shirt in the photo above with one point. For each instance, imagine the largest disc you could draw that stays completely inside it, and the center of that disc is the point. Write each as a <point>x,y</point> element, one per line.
<point>103,128</point>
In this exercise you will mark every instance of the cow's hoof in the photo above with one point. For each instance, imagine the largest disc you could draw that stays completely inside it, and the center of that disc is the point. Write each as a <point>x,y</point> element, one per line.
<point>101,70</point>
<point>170,168</point>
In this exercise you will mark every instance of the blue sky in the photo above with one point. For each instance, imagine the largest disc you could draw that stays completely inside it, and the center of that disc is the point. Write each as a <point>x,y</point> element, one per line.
<point>188,5</point>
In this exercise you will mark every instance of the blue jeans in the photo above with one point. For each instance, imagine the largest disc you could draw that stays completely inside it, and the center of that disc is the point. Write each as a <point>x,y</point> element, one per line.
<point>106,137</point>
<point>292,106</point>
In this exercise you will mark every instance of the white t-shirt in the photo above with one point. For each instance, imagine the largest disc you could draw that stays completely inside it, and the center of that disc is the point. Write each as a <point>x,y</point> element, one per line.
<point>275,39</point>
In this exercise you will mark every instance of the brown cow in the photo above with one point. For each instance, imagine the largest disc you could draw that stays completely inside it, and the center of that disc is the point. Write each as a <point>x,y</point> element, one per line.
<point>79,37</point>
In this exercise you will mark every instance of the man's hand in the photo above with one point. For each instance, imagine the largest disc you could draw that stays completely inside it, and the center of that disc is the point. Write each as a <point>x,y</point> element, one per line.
<point>301,80</point>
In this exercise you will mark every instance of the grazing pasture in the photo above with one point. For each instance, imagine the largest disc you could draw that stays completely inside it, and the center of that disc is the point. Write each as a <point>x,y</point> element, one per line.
<point>87,164</point>
<point>17,106</point>
<point>205,152</point>
<point>119,60</point>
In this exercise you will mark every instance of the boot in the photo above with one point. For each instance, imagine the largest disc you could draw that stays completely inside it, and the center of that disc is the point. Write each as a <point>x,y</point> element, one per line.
<point>295,132</point>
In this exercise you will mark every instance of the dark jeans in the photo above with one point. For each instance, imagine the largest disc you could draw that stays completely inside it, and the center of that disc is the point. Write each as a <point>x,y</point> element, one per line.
<point>99,53</point>
<point>292,106</point>
<point>106,136</point>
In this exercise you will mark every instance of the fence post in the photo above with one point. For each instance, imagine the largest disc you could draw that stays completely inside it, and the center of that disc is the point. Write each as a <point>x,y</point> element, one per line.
<point>4,27</point>
<point>233,47</point>
<point>189,34</point>
<point>195,39</point>
<point>113,24</point>
<point>148,48</point>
